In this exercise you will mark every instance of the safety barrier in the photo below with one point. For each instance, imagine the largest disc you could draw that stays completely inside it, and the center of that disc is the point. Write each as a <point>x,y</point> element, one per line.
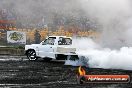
<point>11,51</point>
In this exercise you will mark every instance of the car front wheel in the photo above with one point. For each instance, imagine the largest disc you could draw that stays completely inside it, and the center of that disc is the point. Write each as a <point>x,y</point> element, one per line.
<point>31,55</point>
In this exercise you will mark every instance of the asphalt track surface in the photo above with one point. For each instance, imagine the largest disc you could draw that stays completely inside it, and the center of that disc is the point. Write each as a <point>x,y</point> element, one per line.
<point>18,72</point>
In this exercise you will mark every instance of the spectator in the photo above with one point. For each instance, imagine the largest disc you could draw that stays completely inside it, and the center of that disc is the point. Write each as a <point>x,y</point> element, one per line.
<point>37,37</point>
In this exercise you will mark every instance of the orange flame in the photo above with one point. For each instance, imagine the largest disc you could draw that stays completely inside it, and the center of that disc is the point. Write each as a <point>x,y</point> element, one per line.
<point>81,71</point>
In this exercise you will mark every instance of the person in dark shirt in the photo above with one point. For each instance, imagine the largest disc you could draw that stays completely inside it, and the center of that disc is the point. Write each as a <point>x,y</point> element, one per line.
<point>37,37</point>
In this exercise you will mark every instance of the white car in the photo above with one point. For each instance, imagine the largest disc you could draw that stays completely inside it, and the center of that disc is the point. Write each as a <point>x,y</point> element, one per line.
<point>53,47</point>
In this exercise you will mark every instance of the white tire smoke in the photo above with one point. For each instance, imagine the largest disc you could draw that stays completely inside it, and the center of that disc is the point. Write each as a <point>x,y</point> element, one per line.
<point>97,57</point>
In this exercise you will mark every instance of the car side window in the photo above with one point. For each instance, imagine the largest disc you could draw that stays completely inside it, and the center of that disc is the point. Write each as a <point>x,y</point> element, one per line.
<point>49,41</point>
<point>68,41</point>
<point>64,41</point>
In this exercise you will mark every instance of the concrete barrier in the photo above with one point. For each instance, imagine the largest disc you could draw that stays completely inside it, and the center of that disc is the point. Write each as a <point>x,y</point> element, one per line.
<point>11,51</point>
<point>13,58</point>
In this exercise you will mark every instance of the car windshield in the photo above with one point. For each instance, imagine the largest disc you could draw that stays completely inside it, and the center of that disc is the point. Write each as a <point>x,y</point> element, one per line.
<point>64,41</point>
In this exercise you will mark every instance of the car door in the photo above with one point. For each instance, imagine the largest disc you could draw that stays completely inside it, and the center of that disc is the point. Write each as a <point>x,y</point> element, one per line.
<point>47,48</point>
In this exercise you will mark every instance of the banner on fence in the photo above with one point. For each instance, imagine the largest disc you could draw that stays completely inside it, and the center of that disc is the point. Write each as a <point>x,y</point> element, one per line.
<point>16,37</point>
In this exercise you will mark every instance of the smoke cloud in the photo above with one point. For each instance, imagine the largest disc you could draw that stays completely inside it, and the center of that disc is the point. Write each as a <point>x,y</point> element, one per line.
<point>33,12</point>
<point>115,48</point>
<point>115,18</point>
<point>95,56</point>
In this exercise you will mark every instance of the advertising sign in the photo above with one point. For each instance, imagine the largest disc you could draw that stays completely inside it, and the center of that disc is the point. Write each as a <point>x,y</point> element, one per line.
<point>16,37</point>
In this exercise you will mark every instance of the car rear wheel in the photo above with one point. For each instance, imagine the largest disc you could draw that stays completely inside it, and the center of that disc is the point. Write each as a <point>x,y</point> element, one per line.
<point>31,55</point>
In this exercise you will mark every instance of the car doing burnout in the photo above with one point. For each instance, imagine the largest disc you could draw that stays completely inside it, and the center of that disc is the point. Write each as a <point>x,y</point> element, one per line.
<point>53,47</point>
